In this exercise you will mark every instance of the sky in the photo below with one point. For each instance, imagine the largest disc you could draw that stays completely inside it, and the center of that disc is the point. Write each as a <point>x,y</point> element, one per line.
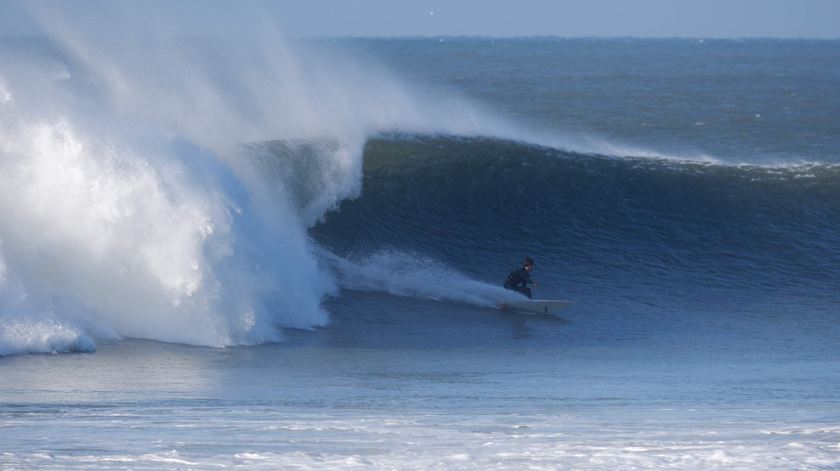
<point>608,18</point>
<point>501,18</point>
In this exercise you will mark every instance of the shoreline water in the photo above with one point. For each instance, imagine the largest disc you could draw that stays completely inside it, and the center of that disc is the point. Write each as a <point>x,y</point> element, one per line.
<point>144,404</point>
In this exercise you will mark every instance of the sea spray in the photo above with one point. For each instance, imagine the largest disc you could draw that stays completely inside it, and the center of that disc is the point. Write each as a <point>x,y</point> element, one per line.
<point>414,275</point>
<point>161,186</point>
<point>109,226</point>
<point>100,226</point>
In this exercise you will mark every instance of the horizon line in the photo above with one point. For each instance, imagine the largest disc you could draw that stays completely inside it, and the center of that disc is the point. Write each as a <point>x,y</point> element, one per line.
<point>484,36</point>
<point>556,36</point>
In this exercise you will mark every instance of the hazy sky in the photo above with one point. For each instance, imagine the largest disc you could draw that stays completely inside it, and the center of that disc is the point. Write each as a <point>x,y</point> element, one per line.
<point>696,18</point>
<point>645,18</point>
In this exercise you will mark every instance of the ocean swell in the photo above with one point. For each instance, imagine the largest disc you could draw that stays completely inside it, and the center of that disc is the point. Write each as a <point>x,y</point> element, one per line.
<point>618,227</point>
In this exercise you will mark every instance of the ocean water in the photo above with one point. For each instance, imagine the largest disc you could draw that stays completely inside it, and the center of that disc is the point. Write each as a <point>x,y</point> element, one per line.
<point>261,253</point>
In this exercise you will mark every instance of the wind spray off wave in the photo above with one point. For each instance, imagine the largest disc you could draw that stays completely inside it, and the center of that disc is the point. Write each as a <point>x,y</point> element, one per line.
<point>135,199</point>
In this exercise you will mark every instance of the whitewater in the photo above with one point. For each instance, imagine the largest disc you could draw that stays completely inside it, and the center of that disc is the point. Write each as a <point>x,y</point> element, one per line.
<point>135,202</point>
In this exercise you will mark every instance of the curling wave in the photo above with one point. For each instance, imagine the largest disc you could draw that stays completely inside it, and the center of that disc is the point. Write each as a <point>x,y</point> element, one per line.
<point>603,226</point>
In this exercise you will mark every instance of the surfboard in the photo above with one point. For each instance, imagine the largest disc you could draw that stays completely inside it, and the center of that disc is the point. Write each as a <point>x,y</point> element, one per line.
<point>535,306</point>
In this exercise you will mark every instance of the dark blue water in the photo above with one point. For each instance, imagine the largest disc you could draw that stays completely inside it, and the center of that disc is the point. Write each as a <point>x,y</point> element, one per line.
<point>674,234</point>
<point>670,257</point>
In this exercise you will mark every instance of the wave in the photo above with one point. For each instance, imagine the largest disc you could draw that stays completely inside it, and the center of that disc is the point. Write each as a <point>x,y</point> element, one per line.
<point>637,225</point>
<point>141,193</point>
<point>213,191</point>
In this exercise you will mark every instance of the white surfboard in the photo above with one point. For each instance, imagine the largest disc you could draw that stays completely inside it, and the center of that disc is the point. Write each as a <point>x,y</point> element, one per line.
<point>535,306</point>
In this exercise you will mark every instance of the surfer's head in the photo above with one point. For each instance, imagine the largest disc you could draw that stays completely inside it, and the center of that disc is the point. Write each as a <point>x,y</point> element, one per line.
<point>528,264</point>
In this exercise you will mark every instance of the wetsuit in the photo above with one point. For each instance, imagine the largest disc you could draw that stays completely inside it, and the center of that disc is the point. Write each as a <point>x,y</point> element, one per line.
<point>518,281</point>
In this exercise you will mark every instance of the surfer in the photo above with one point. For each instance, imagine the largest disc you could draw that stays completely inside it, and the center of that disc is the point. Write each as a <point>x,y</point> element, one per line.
<point>519,279</point>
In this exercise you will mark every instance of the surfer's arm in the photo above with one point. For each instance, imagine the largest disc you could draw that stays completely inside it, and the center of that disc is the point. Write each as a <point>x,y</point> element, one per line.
<point>527,278</point>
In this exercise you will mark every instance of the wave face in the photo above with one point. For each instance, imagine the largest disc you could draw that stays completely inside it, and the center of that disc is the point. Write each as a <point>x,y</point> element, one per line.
<point>615,231</point>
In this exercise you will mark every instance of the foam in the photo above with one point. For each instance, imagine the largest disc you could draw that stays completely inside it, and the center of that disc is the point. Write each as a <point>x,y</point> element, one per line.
<point>41,334</point>
<point>413,275</point>
<point>456,442</point>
